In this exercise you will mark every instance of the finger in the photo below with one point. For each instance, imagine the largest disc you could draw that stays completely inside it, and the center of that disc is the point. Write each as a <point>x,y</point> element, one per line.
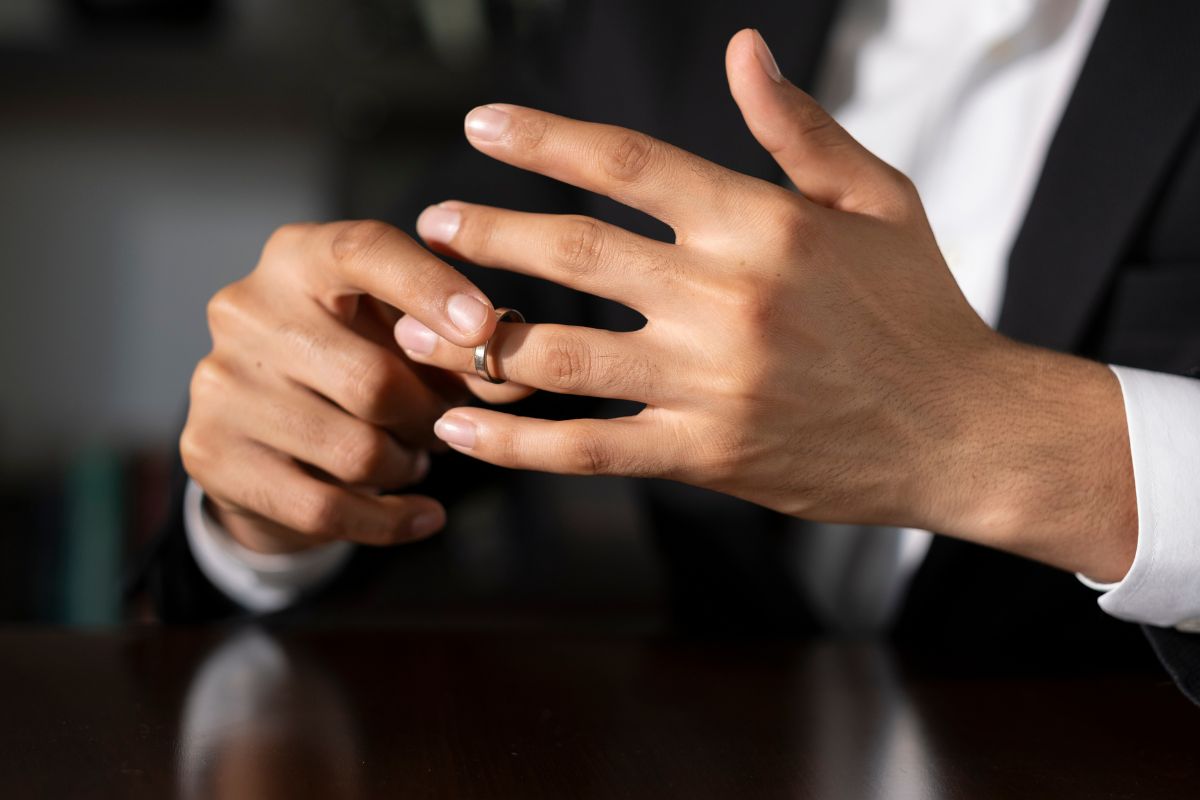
<point>496,393</point>
<point>575,251</point>
<point>825,163</point>
<point>374,258</point>
<point>677,187</point>
<point>410,332</point>
<point>315,432</point>
<point>559,358</point>
<point>259,481</point>
<point>572,447</point>
<point>369,381</point>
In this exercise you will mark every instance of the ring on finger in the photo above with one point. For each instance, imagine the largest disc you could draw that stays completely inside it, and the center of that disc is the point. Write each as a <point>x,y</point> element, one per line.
<point>481,351</point>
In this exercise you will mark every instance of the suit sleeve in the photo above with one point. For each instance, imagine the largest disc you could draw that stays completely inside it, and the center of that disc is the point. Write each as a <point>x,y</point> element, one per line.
<point>170,574</point>
<point>1180,653</point>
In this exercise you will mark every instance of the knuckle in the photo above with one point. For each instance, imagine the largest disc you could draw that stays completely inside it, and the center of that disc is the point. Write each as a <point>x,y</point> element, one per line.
<point>360,455</point>
<point>224,307</point>
<point>210,379</point>
<point>568,364</point>
<point>355,241</point>
<point>580,246</point>
<point>900,182</point>
<point>629,157</point>
<point>257,499</point>
<point>192,451</point>
<point>755,304</point>
<point>282,239</point>
<point>318,512</point>
<point>367,388</point>
<point>588,454</point>
<point>814,121</point>
<point>899,189</point>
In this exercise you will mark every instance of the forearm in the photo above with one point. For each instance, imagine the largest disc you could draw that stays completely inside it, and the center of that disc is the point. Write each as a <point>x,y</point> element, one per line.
<point>1042,465</point>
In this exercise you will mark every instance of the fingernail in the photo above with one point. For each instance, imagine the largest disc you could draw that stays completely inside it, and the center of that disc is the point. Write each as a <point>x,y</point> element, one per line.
<point>426,523</point>
<point>467,313</point>
<point>437,224</point>
<point>415,337</point>
<point>456,431</point>
<point>766,58</point>
<point>487,124</point>
<point>420,466</point>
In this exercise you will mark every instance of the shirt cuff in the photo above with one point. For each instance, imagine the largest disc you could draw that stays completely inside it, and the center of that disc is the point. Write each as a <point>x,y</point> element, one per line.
<point>259,582</point>
<point>1162,586</point>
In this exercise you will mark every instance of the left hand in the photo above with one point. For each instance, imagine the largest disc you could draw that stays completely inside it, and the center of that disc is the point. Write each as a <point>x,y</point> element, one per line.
<point>809,351</point>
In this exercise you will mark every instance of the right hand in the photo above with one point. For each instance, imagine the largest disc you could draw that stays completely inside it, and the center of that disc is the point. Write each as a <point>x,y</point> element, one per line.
<point>306,410</point>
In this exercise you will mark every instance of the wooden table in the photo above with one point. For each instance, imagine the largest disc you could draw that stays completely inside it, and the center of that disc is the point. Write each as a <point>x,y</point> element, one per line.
<point>361,712</point>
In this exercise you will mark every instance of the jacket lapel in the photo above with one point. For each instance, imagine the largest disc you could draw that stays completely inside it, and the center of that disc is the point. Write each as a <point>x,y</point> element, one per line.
<point>1136,96</point>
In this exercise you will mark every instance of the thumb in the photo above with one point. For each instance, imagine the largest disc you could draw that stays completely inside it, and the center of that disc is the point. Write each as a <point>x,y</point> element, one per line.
<point>825,163</point>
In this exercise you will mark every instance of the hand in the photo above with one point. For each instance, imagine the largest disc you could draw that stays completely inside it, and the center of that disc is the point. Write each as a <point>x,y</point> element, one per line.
<point>810,351</point>
<point>305,410</point>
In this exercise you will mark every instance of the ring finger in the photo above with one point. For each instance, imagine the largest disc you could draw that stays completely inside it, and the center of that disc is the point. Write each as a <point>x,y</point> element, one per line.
<point>558,358</point>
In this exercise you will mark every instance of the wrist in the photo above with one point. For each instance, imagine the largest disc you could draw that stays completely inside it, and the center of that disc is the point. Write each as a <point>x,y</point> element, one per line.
<point>258,535</point>
<point>1040,464</point>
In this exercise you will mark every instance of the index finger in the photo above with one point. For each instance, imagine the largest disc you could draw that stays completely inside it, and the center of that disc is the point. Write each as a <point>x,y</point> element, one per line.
<point>673,185</point>
<point>369,257</point>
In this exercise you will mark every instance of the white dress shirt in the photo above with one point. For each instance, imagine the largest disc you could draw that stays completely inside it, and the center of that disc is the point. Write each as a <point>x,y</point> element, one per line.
<point>260,582</point>
<point>963,97</point>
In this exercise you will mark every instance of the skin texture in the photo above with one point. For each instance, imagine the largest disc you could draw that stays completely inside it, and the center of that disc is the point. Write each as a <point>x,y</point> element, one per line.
<point>306,410</point>
<point>808,351</point>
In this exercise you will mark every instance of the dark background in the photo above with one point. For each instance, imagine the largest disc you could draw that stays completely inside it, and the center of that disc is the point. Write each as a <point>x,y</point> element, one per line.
<point>147,149</point>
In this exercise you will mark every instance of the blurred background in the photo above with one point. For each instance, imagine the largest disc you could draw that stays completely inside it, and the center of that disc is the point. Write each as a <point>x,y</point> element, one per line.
<point>147,149</point>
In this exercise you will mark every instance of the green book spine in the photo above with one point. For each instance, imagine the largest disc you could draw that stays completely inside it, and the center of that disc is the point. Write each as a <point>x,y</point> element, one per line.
<point>93,540</point>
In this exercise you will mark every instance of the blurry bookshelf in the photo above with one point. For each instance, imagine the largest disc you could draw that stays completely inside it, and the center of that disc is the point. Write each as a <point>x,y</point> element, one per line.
<point>70,535</point>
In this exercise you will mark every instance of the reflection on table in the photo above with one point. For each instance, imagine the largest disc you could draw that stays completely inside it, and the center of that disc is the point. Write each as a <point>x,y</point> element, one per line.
<point>366,712</point>
<point>258,722</point>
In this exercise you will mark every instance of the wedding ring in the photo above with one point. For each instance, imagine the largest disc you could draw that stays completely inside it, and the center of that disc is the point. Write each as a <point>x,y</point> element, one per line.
<point>481,352</point>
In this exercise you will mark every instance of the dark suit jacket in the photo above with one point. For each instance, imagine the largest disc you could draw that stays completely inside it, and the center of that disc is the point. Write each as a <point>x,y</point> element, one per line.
<point>1106,265</point>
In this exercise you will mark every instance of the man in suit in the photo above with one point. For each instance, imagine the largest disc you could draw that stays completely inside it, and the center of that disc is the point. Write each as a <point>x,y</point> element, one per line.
<point>801,352</point>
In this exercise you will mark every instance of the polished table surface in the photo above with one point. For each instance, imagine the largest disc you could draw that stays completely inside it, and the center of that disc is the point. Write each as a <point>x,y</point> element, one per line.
<point>360,712</point>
